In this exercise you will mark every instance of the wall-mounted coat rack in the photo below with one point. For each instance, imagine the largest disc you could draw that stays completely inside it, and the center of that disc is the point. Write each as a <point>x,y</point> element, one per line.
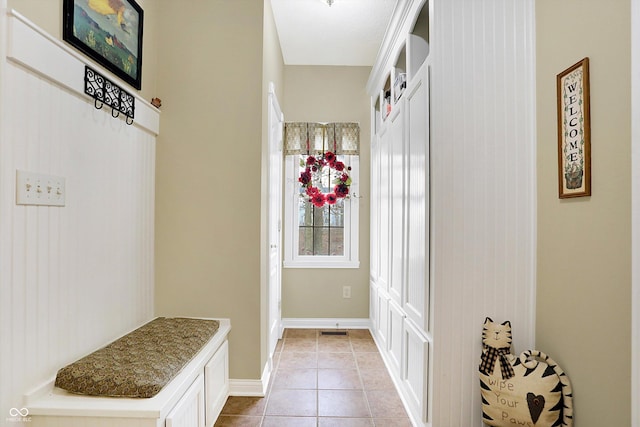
<point>104,91</point>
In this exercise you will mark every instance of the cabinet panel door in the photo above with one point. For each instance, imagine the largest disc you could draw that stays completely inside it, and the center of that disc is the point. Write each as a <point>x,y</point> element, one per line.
<point>396,327</point>
<point>384,246</point>
<point>189,411</point>
<point>383,320</point>
<point>416,372</point>
<point>375,209</point>
<point>416,298</point>
<point>373,307</point>
<point>216,377</point>
<point>397,204</point>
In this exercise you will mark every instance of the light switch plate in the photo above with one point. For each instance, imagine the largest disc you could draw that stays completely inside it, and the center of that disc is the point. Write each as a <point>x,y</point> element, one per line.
<point>346,292</point>
<point>39,189</point>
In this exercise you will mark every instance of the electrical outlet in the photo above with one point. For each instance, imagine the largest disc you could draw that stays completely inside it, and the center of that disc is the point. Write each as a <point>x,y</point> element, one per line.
<point>346,292</point>
<point>39,189</point>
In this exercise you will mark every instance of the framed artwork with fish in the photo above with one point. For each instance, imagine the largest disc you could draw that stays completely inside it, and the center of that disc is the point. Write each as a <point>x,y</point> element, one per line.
<point>109,32</point>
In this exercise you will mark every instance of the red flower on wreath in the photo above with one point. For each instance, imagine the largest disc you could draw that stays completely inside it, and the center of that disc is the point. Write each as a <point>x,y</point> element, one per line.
<point>341,190</point>
<point>318,200</point>
<point>312,190</point>
<point>314,173</point>
<point>329,157</point>
<point>305,177</point>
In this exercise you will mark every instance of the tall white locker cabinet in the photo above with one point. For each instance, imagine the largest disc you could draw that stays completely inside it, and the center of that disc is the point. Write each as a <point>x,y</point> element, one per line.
<point>400,233</point>
<point>454,191</point>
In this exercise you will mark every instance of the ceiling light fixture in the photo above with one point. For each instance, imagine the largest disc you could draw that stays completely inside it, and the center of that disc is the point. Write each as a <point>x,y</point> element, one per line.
<point>330,2</point>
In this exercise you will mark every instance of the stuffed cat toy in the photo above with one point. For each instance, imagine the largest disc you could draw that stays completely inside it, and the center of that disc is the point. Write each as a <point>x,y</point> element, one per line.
<point>530,390</point>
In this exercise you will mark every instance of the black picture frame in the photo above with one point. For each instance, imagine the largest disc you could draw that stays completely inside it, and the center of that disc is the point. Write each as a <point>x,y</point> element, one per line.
<point>113,38</point>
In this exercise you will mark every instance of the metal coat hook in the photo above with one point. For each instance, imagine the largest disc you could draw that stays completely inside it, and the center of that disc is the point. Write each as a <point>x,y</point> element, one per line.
<point>104,91</point>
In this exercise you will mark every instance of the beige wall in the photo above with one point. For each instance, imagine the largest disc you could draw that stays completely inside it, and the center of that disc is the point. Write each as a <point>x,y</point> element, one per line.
<point>209,158</point>
<point>583,317</point>
<point>330,94</point>
<point>47,14</point>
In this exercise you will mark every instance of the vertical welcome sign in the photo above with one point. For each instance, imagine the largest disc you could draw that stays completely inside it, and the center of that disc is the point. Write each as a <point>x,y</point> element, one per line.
<point>574,131</point>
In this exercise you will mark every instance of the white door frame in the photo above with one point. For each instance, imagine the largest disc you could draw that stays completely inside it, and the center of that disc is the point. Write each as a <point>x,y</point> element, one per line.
<point>275,120</point>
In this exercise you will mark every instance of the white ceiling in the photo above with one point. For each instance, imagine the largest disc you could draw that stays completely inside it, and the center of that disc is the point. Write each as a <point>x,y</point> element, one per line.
<point>349,32</point>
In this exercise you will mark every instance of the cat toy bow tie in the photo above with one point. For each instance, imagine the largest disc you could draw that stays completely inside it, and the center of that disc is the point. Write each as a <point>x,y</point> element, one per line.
<point>489,359</point>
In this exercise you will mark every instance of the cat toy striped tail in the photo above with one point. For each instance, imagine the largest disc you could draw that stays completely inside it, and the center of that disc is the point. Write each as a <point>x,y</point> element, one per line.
<point>567,392</point>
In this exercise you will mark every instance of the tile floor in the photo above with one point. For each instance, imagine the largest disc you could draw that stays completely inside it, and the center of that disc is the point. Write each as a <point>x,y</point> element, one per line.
<point>324,381</point>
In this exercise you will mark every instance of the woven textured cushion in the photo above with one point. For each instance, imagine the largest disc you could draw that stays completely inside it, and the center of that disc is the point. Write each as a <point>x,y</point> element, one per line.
<point>140,363</point>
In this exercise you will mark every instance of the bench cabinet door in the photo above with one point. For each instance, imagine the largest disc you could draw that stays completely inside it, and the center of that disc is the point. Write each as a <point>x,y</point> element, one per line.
<point>189,411</point>
<point>216,377</point>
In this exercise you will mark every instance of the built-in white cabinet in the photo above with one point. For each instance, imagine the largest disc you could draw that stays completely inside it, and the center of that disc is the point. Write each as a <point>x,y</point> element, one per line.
<point>216,374</point>
<point>373,306</point>
<point>396,144</point>
<point>374,218</point>
<point>415,376</point>
<point>381,330</point>
<point>395,349</point>
<point>383,180</point>
<point>193,398</point>
<point>189,411</point>
<point>400,224</point>
<point>416,300</point>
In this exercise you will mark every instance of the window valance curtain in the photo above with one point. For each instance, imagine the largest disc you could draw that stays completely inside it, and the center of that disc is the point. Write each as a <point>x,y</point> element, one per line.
<point>316,138</point>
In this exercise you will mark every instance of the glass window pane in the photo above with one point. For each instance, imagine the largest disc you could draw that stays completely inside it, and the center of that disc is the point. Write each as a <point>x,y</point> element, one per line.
<point>321,241</point>
<point>337,242</point>
<point>305,241</point>
<point>326,179</point>
<point>321,216</point>
<point>321,230</point>
<point>337,214</point>
<point>305,213</point>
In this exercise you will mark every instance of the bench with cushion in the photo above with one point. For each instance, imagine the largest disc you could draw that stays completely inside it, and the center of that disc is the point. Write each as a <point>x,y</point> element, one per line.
<point>168,372</point>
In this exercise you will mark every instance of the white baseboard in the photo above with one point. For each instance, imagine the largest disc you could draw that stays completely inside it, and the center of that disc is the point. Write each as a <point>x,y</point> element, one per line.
<point>246,388</point>
<point>326,323</point>
<point>253,388</point>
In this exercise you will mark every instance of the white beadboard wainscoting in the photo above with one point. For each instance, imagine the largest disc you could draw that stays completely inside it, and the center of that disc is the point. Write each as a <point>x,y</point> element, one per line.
<point>483,190</point>
<point>72,278</point>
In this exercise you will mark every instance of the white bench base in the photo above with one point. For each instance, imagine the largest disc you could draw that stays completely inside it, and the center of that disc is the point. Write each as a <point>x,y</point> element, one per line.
<point>194,398</point>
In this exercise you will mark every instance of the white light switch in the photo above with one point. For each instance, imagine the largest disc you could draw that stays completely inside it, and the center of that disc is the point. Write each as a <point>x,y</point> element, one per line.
<point>39,189</point>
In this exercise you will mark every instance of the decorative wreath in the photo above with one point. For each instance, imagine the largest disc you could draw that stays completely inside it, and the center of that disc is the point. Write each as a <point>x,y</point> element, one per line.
<point>311,178</point>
